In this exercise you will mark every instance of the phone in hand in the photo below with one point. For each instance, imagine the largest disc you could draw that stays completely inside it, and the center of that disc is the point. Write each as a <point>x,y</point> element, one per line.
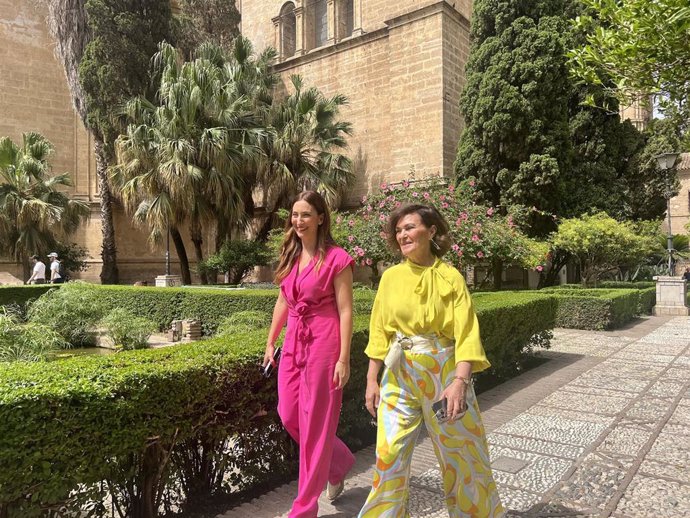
<point>440,409</point>
<point>268,369</point>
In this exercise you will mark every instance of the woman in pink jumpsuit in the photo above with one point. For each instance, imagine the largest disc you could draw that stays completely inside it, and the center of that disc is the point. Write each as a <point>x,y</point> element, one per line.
<point>316,302</point>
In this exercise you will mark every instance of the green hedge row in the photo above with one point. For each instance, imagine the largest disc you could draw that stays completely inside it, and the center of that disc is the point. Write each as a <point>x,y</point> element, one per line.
<point>153,429</point>
<point>163,305</point>
<point>646,290</point>
<point>594,309</point>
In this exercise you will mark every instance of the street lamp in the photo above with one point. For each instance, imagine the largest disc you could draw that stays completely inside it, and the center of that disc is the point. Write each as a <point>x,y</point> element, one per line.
<point>665,162</point>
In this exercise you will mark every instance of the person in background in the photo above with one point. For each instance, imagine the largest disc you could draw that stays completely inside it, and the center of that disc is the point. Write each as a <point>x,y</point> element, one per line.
<point>686,275</point>
<point>315,301</point>
<point>38,276</point>
<point>424,329</point>
<point>55,277</point>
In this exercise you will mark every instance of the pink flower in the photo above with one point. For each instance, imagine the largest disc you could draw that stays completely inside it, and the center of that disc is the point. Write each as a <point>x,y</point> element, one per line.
<point>369,262</point>
<point>472,183</point>
<point>382,204</point>
<point>384,186</point>
<point>350,238</point>
<point>359,251</point>
<point>444,205</point>
<point>397,204</point>
<point>426,195</point>
<point>415,194</point>
<point>382,217</point>
<point>451,188</point>
<point>369,208</point>
<point>464,216</point>
<point>459,253</point>
<point>511,224</point>
<point>490,211</point>
<point>442,197</point>
<point>475,237</point>
<point>458,222</point>
<point>406,184</point>
<point>540,268</point>
<point>455,248</point>
<point>351,223</point>
<point>480,254</point>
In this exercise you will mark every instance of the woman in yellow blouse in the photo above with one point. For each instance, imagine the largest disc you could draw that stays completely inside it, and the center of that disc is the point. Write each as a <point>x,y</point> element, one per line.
<point>424,330</point>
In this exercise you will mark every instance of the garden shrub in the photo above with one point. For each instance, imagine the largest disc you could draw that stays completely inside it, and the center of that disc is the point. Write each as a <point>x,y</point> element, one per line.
<point>191,420</point>
<point>244,321</point>
<point>21,295</point>
<point>646,289</point>
<point>126,330</point>
<point>594,309</point>
<point>26,341</point>
<point>73,311</point>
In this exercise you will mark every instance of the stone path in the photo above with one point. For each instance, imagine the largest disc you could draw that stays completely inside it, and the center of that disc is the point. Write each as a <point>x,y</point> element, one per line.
<point>602,429</point>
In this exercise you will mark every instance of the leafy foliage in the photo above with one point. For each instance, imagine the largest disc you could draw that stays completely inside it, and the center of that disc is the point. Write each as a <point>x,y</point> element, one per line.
<point>34,212</point>
<point>597,309</point>
<point>244,321</point>
<point>73,311</point>
<point>126,330</point>
<point>635,47</point>
<point>478,232</point>
<point>515,105</point>
<point>601,244</point>
<point>236,258</point>
<point>26,342</point>
<point>206,21</point>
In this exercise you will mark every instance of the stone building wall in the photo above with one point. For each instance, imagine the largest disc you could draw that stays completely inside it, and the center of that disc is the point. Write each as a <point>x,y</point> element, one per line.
<point>402,74</point>
<point>34,97</point>
<point>680,204</point>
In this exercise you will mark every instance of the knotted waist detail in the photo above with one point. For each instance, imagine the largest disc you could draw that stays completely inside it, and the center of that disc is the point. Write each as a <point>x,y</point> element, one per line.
<point>303,337</point>
<point>414,344</point>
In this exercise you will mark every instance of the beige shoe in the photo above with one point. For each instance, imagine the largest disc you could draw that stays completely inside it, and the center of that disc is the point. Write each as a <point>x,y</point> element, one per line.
<point>333,491</point>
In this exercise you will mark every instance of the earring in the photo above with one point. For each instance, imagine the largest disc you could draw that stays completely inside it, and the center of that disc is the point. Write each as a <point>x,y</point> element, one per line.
<point>435,244</point>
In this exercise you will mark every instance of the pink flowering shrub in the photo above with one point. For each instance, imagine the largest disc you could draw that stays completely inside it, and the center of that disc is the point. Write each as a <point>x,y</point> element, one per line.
<point>478,233</point>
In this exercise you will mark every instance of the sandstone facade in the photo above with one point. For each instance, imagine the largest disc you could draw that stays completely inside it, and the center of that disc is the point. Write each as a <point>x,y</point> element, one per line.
<point>34,97</point>
<point>400,64</point>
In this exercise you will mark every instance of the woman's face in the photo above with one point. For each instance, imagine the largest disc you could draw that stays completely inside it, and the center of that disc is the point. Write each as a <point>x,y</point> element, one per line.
<point>305,220</point>
<point>414,238</point>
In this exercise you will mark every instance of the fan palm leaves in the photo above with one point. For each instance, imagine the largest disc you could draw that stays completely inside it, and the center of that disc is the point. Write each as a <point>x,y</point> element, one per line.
<point>305,148</point>
<point>182,158</point>
<point>33,211</point>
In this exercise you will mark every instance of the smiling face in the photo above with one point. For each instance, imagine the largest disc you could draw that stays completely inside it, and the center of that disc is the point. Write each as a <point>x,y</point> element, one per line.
<point>305,220</point>
<point>414,238</point>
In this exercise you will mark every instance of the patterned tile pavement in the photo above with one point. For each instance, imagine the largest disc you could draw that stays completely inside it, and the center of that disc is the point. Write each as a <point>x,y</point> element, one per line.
<point>602,429</point>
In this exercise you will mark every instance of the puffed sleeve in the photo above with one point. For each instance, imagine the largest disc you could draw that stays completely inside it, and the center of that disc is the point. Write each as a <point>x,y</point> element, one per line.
<point>377,348</point>
<point>468,343</point>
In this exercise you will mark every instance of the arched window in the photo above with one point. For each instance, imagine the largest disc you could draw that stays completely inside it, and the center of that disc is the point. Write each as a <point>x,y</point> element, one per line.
<point>346,23</point>
<point>288,30</point>
<point>320,21</point>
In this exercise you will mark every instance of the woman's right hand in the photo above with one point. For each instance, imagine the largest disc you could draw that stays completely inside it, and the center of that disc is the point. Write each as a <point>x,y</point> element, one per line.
<point>372,396</point>
<point>268,356</point>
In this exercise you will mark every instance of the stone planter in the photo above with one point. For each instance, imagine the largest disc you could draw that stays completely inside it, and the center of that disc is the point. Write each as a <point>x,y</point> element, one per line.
<point>671,296</point>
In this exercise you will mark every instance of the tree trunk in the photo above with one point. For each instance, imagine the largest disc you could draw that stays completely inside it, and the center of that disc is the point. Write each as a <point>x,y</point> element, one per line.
<point>198,241</point>
<point>182,255</point>
<point>109,271</point>
<point>497,272</point>
<point>558,261</point>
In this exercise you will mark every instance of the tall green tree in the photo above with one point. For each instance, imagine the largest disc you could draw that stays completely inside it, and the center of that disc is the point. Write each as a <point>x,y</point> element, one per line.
<point>105,47</point>
<point>206,21</point>
<point>181,159</point>
<point>515,105</point>
<point>34,213</point>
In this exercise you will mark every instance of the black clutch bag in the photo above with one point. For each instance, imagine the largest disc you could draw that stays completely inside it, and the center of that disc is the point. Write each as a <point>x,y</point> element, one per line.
<point>268,370</point>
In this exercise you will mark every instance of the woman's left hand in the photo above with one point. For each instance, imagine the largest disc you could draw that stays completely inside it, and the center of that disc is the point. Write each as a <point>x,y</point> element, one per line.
<point>455,393</point>
<point>341,374</point>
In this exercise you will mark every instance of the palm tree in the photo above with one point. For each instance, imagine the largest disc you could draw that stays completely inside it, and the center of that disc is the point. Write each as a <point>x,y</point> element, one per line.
<point>33,212</point>
<point>181,160</point>
<point>303,150</point>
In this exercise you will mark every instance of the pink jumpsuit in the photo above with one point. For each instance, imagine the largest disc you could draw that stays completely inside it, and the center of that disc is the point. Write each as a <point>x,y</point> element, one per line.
<point>308,404</point>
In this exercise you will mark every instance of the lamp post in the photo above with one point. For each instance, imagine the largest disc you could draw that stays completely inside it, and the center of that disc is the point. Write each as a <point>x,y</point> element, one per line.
<point>665,162</point>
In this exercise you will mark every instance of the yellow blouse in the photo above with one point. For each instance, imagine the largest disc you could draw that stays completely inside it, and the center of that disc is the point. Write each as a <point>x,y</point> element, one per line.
<point>418,300</point>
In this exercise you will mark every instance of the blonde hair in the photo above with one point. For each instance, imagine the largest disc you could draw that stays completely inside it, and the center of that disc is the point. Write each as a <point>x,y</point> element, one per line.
<point>291,248</point>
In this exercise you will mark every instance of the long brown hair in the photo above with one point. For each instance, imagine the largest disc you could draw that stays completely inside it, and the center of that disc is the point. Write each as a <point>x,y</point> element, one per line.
<point>430,218</point>
<point>291,248</point>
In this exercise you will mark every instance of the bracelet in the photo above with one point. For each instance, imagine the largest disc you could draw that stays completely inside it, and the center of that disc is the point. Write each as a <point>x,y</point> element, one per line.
<point>466,381</point>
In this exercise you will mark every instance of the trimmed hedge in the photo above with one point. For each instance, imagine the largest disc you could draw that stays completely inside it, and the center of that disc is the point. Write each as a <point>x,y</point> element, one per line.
<point>22,294</point>
<point>647,292</point>
<point>153,424</point>
<point>594,309</point>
